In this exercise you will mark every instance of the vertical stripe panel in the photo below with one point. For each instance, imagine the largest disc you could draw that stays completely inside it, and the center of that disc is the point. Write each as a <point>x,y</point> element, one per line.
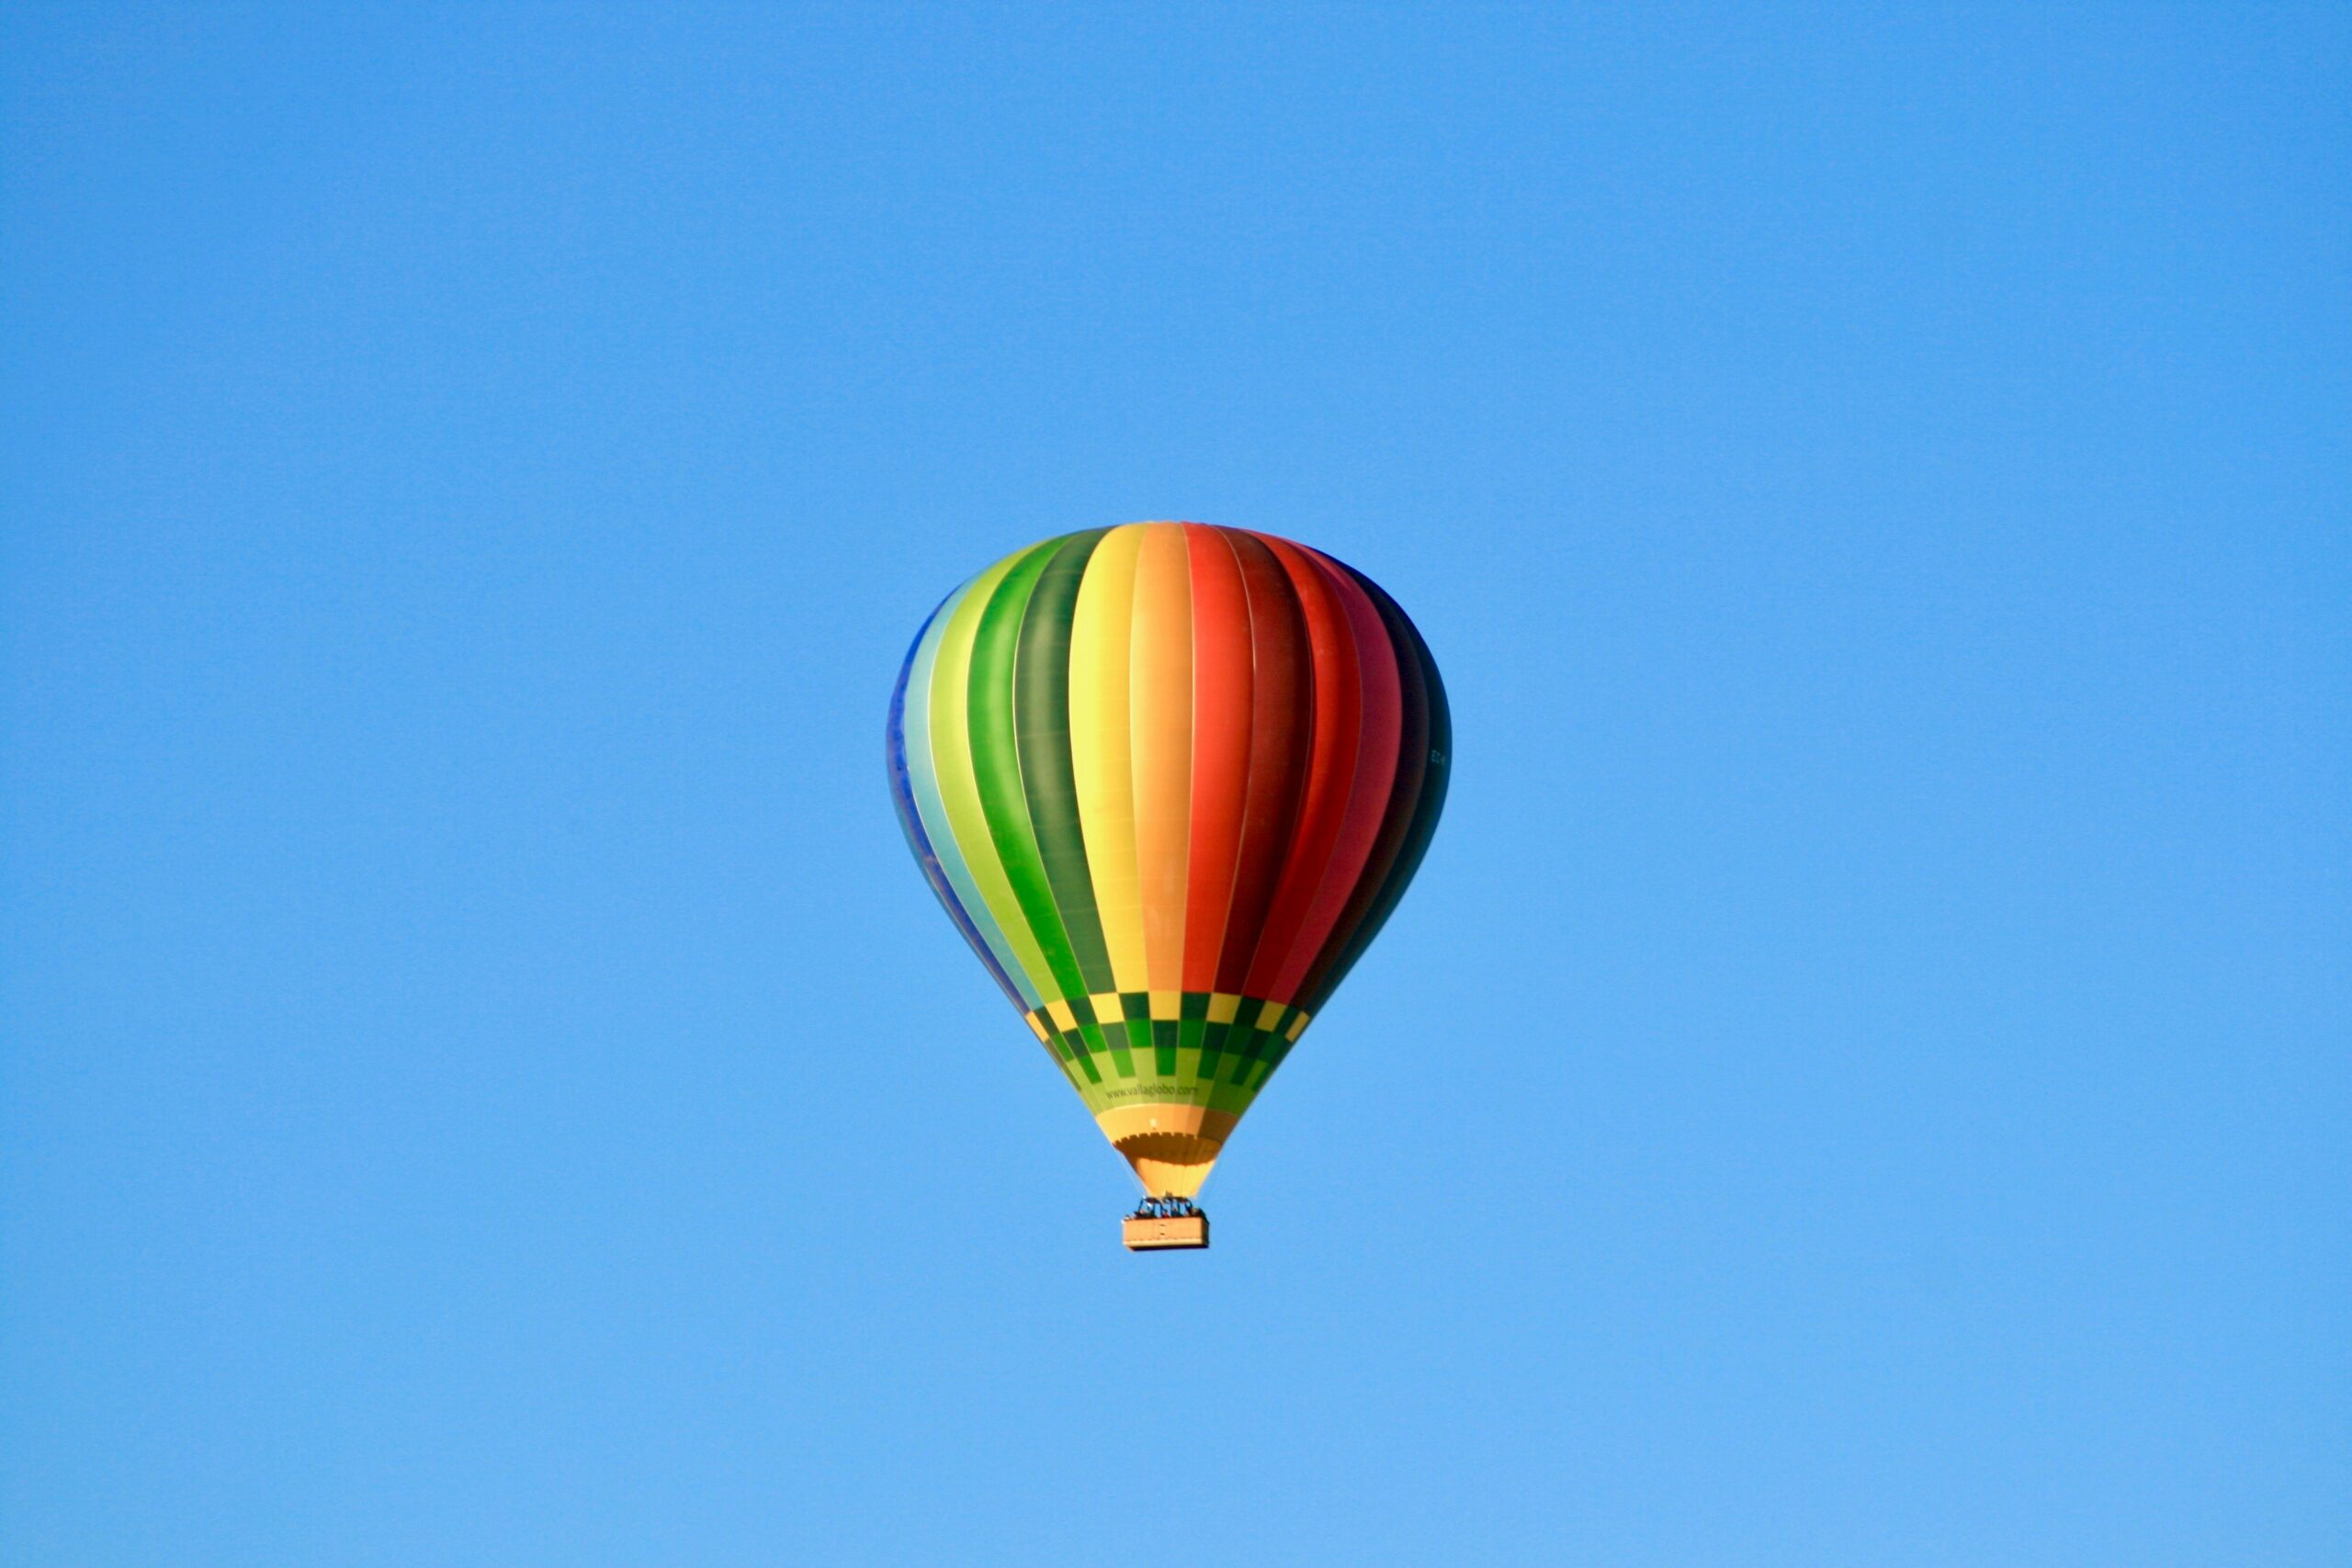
<point>1281,725</point>
<point>1101,630</point>
<point>1041,717</point>
<point>1375,777</point>
<point>1160,687</point>
<point>922,777</point>
<point>1330,770</point>
<point>902,796</point>
<point>1404,794</point>
<point>1435,751</point>
<point>951,747</point>
<point>995,765</point>
<point>1221,709</point>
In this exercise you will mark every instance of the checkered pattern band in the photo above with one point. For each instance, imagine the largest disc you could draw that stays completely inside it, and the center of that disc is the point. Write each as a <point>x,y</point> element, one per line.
<point>1197,1044</point>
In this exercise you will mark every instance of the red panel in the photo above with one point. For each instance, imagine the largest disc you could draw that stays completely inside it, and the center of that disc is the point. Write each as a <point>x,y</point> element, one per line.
<point>1404,796</point>
<point>1382,694</point>
<point>1331,762</point>
<point>1221,711</point>
<point>1281,712</point>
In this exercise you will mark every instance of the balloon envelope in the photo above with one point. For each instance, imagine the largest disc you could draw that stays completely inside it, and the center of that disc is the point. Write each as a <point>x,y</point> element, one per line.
<point>1169,780</point>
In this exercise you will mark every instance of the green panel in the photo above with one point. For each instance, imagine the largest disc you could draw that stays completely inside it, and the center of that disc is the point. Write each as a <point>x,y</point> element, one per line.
<point>1040,720</point>
<point>1112,1041</point>
<point>996,768</point>
<point>1238,1061</point>
<point>950,749</point>
<point>1212,1047</point>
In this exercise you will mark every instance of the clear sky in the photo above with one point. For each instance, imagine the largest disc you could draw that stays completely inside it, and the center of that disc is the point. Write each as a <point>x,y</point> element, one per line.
<point>1876,480</point>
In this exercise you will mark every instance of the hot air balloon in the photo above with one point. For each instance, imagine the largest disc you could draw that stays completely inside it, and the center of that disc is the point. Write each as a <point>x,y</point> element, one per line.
<point>1169,780</point>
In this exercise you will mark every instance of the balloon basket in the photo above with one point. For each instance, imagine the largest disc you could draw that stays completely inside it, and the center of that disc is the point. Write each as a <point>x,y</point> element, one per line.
<point>1164,1224</point>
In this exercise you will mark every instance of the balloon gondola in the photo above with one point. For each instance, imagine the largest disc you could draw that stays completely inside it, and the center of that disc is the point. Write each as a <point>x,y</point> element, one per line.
<point>1169,781</point>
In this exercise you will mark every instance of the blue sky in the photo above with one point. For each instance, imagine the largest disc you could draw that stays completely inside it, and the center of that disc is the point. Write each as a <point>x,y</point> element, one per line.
<point>1875,481</point>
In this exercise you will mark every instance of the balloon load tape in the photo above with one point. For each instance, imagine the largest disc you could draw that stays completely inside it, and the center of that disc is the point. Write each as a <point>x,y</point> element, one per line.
<point>1165,1225</point>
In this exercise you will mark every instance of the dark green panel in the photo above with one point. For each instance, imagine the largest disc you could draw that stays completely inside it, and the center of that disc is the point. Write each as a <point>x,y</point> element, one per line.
<point>1242,1054</point>
<point>1113,1040</point>
<point>995,765</point>
<point>1041,718</point>
<point>1213,1037</point>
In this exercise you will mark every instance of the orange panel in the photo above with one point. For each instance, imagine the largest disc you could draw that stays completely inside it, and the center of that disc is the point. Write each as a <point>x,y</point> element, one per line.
<point>1160,722</point>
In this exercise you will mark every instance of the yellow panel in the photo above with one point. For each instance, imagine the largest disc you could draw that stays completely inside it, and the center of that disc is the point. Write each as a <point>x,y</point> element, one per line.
<point>1101,635</point>
<point>1062,1015</point>
<point>1270,1014</point>
<point>1297,1026</point>
<point>1224,1007</point>
<point>1167,1004</point>
<point>1108,1008</point>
